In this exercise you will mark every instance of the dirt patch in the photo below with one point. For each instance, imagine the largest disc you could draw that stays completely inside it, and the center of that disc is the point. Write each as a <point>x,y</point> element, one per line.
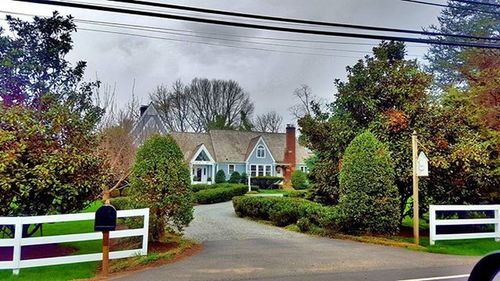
<point>160,247</point>
<point>37,252</point>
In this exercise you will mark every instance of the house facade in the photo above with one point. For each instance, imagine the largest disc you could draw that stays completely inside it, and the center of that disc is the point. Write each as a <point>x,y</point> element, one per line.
<point>253,153</point>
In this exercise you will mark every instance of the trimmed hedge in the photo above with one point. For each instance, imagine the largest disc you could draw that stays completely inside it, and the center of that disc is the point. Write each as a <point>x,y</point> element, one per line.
<point>221,193</point>
<point>121,203</point>
<point>266,182</point>
<point>284,211</point>
<point>198,187</point>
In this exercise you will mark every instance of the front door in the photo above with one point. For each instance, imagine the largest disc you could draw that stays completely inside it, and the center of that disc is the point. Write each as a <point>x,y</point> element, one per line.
<point>201,174</point>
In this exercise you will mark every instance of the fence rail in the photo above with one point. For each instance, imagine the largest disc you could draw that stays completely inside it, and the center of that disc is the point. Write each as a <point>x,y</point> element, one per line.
<point>18,241</point>
<point>434,223</point>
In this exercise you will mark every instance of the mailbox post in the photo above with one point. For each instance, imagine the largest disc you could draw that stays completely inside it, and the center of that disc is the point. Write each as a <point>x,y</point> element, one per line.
<point>105,221</point>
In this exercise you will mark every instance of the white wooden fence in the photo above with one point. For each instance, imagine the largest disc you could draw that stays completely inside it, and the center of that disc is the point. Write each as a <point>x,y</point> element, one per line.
<point>18,241</point>
<point>433,222</point>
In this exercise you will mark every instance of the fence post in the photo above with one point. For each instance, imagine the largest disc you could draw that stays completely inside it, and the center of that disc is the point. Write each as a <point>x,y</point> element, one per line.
<point>497,224</point>
<point>145,234</point>
<point>16,254</point>
<point>432,224</point>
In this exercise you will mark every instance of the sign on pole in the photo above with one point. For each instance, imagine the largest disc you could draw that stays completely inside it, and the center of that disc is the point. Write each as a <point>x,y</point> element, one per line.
<point>414,148</point>
<point>422,165</point>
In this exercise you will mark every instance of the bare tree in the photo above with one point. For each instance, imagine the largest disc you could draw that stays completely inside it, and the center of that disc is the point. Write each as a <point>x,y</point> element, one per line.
<point>269,122</point>
<point>203,104</point>
<point>304,106</point>
<point>174,107</point>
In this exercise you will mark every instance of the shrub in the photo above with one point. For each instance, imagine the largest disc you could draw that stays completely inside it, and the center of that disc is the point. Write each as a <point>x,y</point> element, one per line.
<point>121,203</point>
<point>198,187</point>
<point>369,199</point>
<point>304,224</point>
<point>266,182</point>
<point>220,177</point>
<point>220,194</point>
<point>244,178</point>
<point>299,180</point>
<point>235,177</point>
<point>160,180</point>
<point>284,211</point>
<point>296,194</point>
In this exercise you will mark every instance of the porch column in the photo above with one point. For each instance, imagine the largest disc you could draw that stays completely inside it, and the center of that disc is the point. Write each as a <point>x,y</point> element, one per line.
<point>213,172</point>
<point>191,171</point>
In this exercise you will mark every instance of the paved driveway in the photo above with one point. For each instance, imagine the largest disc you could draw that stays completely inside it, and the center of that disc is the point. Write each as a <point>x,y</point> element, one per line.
<point>239,249</point>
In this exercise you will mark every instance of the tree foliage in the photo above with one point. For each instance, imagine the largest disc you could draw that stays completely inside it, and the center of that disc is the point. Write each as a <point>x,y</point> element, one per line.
<point>460,18</point>
<point>369,200</point>
<point>48,162</point>
<point>160,180</point>
<point>390,96</point>
<point>299,180</point>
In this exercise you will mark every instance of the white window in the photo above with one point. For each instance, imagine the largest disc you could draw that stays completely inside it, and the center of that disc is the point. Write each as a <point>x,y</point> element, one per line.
<point>261,170</point>
<point>253,170</point>
<point>303,169</point>
<point>268,170</point>
<point>230,169</point>
<point>261,151</point>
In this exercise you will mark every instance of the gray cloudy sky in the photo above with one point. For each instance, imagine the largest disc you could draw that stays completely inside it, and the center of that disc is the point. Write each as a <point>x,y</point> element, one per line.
<point>269,77</point>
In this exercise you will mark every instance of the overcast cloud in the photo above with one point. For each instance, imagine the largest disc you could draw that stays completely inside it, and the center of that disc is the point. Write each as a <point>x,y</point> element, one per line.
<point>269,77</point>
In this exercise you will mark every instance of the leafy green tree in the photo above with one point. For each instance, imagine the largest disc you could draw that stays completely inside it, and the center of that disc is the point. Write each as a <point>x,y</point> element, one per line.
<point>384,93</point>
<point>220,177</point>
<point>235,177</point>
<point>369,200</point>
<point>48,162</point>
<point>460,18</point>
<point>299,180</point>
<point>160,180</point>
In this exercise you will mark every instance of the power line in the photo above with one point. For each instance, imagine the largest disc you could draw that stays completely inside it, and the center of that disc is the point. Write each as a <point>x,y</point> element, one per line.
<point>450,6</point>
<point>218,33</point>
<point>293,20</point>
<point>263,27</point>
<point>477,3</point>
<point>161,30</point>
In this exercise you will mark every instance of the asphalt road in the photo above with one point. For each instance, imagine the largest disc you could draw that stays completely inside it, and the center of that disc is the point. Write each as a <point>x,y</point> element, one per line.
<point>239,249</point>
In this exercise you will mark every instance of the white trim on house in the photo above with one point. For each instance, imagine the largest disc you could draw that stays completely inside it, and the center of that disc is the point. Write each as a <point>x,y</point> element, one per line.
<point>261,149</point>
<point>193,164</point>
<point>256,145</point>
<point>257,170</point>
<point>202,148</point>
<point>229,170</point>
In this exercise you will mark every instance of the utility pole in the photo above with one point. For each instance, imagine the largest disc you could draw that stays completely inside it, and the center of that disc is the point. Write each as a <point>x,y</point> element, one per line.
<point>414,148</point>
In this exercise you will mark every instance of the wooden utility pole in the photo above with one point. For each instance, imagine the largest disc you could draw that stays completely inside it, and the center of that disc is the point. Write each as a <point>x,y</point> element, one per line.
<point>414,148</point>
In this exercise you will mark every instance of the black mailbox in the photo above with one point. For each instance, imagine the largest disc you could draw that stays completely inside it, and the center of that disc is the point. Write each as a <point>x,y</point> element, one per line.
<point>105,218</point>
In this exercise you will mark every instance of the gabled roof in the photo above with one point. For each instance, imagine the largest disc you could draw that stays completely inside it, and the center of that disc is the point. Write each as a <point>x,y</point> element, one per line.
<point>149,123</point>
<point>234,146</point>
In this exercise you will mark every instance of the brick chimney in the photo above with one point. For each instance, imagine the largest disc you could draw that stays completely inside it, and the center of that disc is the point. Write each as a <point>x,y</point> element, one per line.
<point>290,152</point>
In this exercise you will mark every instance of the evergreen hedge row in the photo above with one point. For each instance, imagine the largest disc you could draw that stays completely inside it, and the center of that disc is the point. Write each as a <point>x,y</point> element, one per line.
<point>284,211</point>
<point>220,193</point>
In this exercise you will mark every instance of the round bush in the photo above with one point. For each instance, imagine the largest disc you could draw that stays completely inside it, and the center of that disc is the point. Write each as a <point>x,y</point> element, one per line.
<point>235,177</point>
<point>369,199</point>
<point>299,180</point>
<point>160,180</point>
<point>220,177</point>
<point>244,178</point>
<point>221,193</point>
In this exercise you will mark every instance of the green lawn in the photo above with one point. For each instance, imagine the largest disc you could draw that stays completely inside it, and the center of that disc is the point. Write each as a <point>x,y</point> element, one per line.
<point>469,247</point>
<point>273,191</point>
<point>69,271</point>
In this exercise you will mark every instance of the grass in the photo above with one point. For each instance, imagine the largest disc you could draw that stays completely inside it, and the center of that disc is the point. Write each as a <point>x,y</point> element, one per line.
<point>469,247</point>
<point>273,191</point>
<point>68,271</point>
<point>89,269</point>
